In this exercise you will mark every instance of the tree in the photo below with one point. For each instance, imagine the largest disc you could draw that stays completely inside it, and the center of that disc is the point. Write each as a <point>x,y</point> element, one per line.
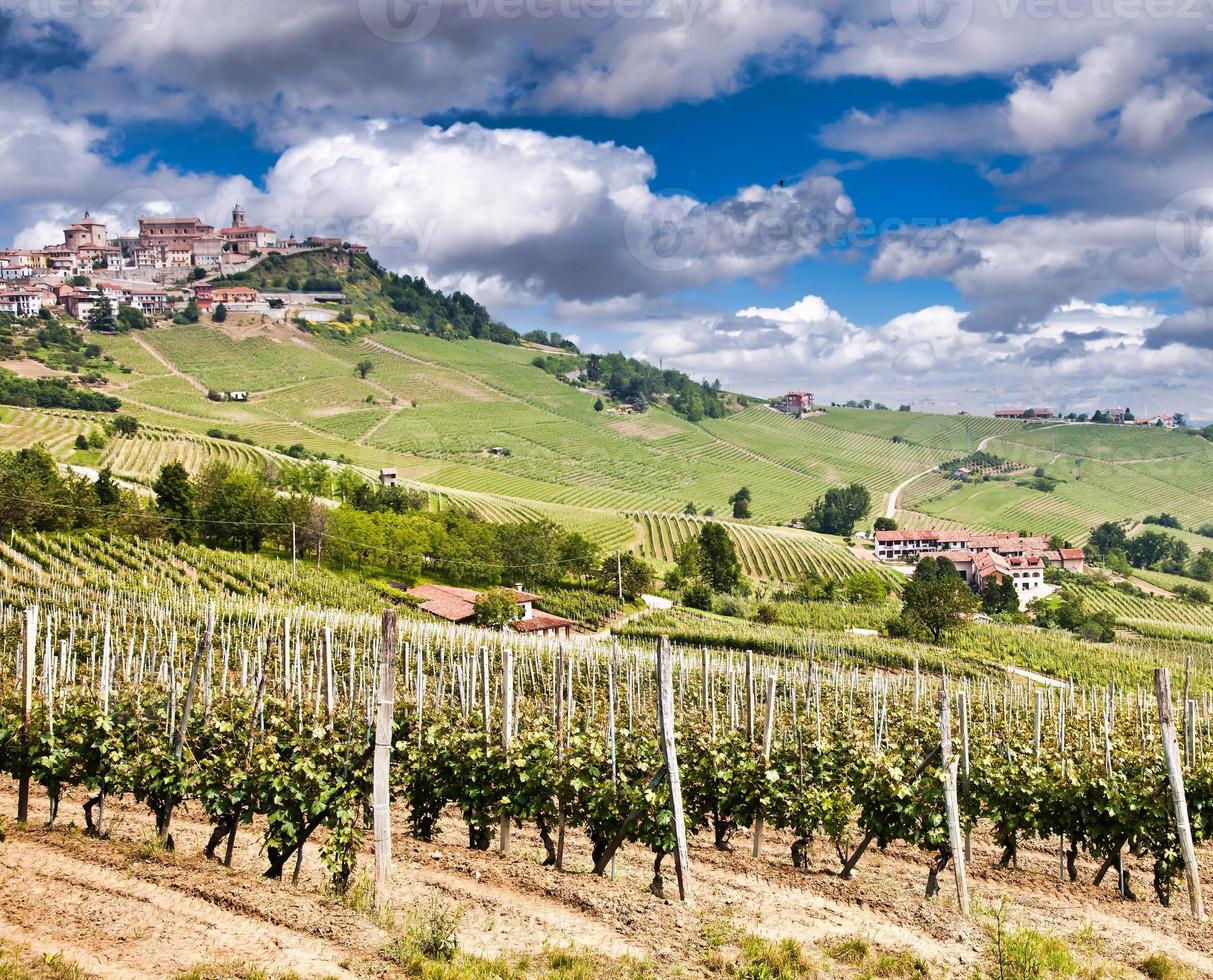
<point>692,510</point>
<point>1108,537</point>
<point>1149,548</point>
<point>598,405</point>
<point>936,600</point>
<point>496,608</point>
<point>191,313</point>
<point>839,510</point>
<point>175,500</point>
<point>364,368</point>
<point>81,441</point>
<point>235,510</point>
<point>884,524</point>
<point>741,504</point>
<point>718,562</point>
<point>220,314</point>
<point>866,588</point>
<point>1202,566</point>
<point>125,425</point>
<point>131,318</point>
<point>578,555</point>
<point>198,273</point>
<point>101,317</point>
<point>106,489</point>
<point>635,574</point>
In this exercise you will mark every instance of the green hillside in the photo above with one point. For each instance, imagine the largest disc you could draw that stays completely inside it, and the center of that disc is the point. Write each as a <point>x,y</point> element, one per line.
<point>479,426</point>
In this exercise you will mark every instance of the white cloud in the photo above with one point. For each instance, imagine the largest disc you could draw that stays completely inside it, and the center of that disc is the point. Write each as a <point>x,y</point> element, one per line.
<point>1079,356</point>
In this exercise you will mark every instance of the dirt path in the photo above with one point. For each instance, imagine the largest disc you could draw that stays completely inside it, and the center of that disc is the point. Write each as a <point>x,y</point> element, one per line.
<point>119,909</point>
<point>167,364</point>
<point>115,924</point>
<point>890,508</point>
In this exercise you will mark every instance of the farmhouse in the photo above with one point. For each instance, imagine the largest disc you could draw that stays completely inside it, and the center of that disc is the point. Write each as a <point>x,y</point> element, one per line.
<point>387,478</point>
<point>911,545</point>
<point>798,402</point>
<point>1028,573</point>
<point>459,606</point>
<point>1025,413</point>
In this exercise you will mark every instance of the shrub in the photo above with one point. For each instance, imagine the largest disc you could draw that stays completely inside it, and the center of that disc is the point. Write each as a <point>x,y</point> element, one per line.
<point>697,595</point>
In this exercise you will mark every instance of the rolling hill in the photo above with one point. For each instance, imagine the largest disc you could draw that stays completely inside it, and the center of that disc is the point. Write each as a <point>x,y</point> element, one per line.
<point>479,426</point>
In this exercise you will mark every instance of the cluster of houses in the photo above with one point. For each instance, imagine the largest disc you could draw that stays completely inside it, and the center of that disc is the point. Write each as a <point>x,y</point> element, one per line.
<point>164,250</point>
<point>980,556</point>
<point>1113,416</point>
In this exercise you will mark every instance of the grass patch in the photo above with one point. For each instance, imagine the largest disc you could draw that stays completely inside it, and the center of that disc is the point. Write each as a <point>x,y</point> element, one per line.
<point>19,963</point>
<point>1159,966</point>
<point>235,970</point>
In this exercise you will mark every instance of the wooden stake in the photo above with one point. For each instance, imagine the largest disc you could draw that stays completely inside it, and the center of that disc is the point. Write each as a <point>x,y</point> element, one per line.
<point>507,732</point>
<point>665,717</point>
<point>27,705</point>
<point>1170,747</point>
<point>951,803</point>
<point>768,730</point>
<point>382,770</point>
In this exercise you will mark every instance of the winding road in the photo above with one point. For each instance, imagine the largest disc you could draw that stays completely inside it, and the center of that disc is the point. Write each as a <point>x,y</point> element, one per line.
<point>890,509</point>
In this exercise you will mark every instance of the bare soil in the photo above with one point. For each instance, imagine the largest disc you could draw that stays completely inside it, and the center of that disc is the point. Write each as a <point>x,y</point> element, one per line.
<point>121,908</point>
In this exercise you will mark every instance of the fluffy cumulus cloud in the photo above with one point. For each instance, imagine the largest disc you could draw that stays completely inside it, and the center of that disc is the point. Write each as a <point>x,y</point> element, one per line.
<point>524,215</point>
<point>1086,355</point>
<point>1015,271</point>
<point>284,62</point>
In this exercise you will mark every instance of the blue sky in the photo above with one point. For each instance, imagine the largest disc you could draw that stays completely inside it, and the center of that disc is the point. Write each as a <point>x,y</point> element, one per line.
<point>969,205</point>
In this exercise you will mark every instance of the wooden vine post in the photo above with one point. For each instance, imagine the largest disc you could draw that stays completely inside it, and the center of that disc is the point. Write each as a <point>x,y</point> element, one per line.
<point>381,795</point>
<point>29,647</point>
<point>1175,774</point>
<point>951,801</point>
<point>768,730</point>
<point>507,731</point>
<point>665,720</point>
<point>187,709</point>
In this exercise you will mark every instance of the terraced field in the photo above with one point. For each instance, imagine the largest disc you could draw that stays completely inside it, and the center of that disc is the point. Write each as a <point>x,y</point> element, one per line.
<point>781,554</point>
<point>433,408</point>
<point>1104,473</point>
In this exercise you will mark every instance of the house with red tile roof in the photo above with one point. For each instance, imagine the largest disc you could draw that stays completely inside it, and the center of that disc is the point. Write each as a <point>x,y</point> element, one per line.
<point>457,605</point>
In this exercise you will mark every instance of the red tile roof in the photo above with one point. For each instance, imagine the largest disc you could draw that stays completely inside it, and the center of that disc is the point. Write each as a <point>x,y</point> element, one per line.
<point>541,621</point>
<point>455,604</point>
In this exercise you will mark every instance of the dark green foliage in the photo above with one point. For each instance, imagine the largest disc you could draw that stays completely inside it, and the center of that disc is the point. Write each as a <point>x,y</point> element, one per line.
<point>839,509</point>
<point>52,393</point>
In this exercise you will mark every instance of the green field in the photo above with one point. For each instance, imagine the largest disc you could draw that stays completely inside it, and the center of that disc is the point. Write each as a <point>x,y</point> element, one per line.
<point>433,409</point>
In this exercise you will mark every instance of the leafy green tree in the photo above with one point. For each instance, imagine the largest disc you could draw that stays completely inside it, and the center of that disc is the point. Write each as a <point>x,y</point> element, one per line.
<point>884,524</point>
<point>839,509</point>
<point>175,500</point>
<point>125,425</point>
<point>131,318</point>
<point>101,317</point>
<point>81,441</point>
<point>106,489</point>
<point>635,574</point>
<point>598,405</point>
<point>532,547</point>
<point>718,563</point>
<point>578,555</point>
<point>191,313</point>
<point>741,504</point>
<point>1150,548</point>
<point>235,510</point>
<point>698,595</point>
<point>866,588</point>
<point>1108,537</point>
<point>220,314</point>
<point>1202,566</point>
<point>496,608</point>
<point>937,600</point>
<point>364,368</point>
